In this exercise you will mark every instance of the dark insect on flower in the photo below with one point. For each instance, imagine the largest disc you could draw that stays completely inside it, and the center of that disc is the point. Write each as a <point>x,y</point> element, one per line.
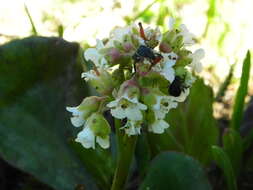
<point>144,51</point>
<point>177,86</point>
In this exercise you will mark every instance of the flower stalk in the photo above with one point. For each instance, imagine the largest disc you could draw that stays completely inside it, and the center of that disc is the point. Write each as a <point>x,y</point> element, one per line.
<point>126,147</point>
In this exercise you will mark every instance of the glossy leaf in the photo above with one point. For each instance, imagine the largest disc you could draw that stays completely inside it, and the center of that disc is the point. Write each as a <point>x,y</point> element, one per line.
<point>39,78</point>
<point>192,129</point>
<point>172,170</point>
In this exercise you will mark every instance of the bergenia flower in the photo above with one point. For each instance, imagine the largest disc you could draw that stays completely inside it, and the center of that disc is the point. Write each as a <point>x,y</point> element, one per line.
<point>132,127</point>
<point>96,129</point>
<point>95,56</point>
<point>141,75</point>
<point>187,36</point>
<point>169,60</point>
<point>158,126</point>
<point>196,65</point>
<point>163,105</point>
<point>100,79</point>
<point>77,118</point>
<point>183,31</point>
<point>84,110</point>
<point>126,107</point>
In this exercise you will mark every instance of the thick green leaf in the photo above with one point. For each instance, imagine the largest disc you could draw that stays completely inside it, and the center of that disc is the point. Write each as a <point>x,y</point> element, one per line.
<point>101,159</point>
<point>241,94</point>
<point>171,170</point>
<point>223,161</point>
<point>233,146</point>
<point>192,129</point>
<point>39,78</point>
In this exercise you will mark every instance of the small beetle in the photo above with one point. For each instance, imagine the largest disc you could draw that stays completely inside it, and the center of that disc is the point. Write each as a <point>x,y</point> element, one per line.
<point>177,86</point>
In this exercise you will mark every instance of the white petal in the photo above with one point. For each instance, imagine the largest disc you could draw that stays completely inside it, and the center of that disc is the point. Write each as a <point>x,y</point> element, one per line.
<point>187,36</point>
<point>86,138</point>
<point>118,113</point>
<point>77,121</point>
<point>73,110</point>
<point>141,106</point>
<point>113,103</point>
<point>160,114</point>
<point>133,114</point>
<point>93,55</point>
<point>100,44</point>
<point>171,23</point>
<point>103,142</point>
<point>169,74</point>
<point>159,126</point>
<point>199,54</point>
<point>132,128</point>
<point>89,75</point>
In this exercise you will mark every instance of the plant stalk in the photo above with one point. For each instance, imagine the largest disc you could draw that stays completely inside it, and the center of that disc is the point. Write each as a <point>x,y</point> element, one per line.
<point>126,146</point>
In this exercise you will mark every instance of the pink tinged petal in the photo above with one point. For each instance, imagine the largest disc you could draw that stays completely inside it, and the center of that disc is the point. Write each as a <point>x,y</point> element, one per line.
<point>86,138</point>
<point>103,142</point>
<point>158,126</point>
<point>77,121</point>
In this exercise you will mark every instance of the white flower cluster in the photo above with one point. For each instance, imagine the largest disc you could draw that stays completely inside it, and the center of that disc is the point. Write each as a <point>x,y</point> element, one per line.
<point>141,74</point>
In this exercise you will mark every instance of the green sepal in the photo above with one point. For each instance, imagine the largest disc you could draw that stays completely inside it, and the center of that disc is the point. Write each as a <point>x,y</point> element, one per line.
<point>99,125</point>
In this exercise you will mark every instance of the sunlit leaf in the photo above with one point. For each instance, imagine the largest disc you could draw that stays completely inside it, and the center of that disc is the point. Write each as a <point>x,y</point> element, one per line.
<point>241,94</point>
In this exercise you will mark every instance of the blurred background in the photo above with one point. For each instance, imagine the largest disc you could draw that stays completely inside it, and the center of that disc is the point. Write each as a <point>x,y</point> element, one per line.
<point>222,27</point>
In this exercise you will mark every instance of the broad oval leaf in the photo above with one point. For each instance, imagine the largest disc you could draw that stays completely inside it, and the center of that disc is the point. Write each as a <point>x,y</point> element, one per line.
<point>39,78</point>
<point>172,170</point>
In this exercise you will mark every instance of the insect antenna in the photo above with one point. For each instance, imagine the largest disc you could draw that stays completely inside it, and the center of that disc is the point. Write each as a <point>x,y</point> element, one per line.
<point>142,31</point>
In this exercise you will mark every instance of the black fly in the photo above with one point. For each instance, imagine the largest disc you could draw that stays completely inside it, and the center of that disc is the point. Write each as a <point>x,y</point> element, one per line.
<point>145,51</point>
<point>177,86</point>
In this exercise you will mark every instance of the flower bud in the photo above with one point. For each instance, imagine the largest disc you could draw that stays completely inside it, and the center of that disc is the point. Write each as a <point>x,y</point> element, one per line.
<point>113,55</point>
<point>165,47</point>
<point>90,105</point>
<point>84,110</point>
<point>127,47</point>
<point>102,81</point>
<point>99,125</point>
<point>130,89</point>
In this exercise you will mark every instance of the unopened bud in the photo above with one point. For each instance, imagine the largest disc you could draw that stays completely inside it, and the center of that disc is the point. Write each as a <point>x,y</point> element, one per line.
<point>99,125</point>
